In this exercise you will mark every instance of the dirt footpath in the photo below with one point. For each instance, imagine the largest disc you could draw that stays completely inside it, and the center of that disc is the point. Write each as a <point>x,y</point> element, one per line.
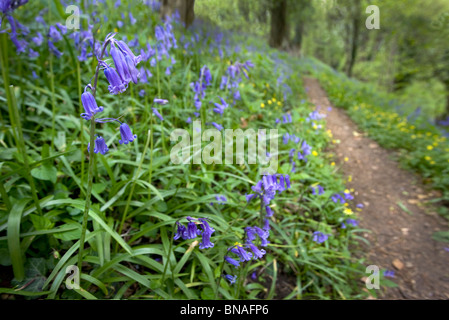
<point>394,210</point>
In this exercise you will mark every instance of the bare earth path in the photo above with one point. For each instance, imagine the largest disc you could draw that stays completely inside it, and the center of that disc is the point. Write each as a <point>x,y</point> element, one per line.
<point>399,241</point>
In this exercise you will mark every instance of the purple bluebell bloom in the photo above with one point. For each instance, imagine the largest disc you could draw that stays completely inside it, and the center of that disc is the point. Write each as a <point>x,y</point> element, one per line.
<point>90,105</point>
<point>388,273</point>
<point>160,101</point>
<point>232,261</point>
<point>319,237</point>
<point>269,211</point>
<point>207,232</point>
<point>243,254</point>
<point>127,135</point>
<point>217,126</point>
<point>100,146</point>
<point>54,34</point>
<point>38,39</point>
<point>116,84</point>
<point>120,64</point>
<point>231,279</point>
<point>319,188</point>
<point>256,252</point>
<point>157,114</point>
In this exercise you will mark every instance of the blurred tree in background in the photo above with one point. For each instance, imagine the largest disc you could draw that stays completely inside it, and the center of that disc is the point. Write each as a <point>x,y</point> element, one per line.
<point>407,55</point>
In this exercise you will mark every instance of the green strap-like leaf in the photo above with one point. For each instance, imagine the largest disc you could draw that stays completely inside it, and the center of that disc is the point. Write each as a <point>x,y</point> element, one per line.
<point>13,234</point>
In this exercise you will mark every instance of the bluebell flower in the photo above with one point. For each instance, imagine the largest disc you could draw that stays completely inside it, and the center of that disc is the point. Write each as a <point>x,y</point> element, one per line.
<point>319,188</point>
<point>269,211</point>
<point>266,224</point>
<point>38,39</point>
<point>348,196</point>
<point>54,34</point>
<point>181,232</point>
<point>351,222</point>
<point>116,84</point>
<point>257,254</point>
<point>232,261</point>
<point>388,273</point>
<point>219,127</point>
<point>32,53</point>
<point>221,199</point>
<point>132,20</point>
<point>100,146</point>
<point>254,275</point>
<point>127,135</point>
<point>90,105</point>
<point>231,279</point>
<point>242,253</point>
<point>160,101</point>
<point>54,50</point>
<point>192,229</point>
<point>207,232</point>
<point>120,64</point>
<point>319,237</point>
<point>157,114</point>
<point>125,49</point>
<point>337,197</point>
<point>219,108</point>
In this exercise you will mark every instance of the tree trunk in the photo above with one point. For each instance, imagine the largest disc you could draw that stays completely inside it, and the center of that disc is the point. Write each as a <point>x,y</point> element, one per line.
<point>297,40</point>
<point>278,23</point>
<point>185,9</point>
<point>244,8</point>
<point>355,36</point>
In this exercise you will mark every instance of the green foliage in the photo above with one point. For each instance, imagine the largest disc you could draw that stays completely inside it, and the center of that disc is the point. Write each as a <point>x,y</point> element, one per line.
<point>138,194</point>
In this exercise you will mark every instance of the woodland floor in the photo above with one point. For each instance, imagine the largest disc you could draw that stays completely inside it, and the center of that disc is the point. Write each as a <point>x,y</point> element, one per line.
<point>399,240</point>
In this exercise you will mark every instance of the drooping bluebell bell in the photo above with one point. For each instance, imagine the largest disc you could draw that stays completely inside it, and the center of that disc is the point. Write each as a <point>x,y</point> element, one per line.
<point>231,279</point>
<point>132,20</point>
<point>116,84</point>
<point>219,127</point>
<point>219,108</point>
<point>318,190</point>
<point>157,114</point>
<point>388,273</point>
<point>181,232</point>
<point>120,64</point>
<point>319,237</point>
<point>7,6</point>
<point>160,101</point>
<point>127,135</point>
<point>235,263</point>
<point>100,146</point>
<point>54,34</point>
<point>257,253</point>
<point>38,39</point>
<point>269,211</point>
<point>351,222</point>
<point>90,105</point>
<point>206,234</point>
<point>337,197</point>
<point>242,253</point>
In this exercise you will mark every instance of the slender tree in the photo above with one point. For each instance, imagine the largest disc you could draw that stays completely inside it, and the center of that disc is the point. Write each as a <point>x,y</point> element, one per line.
<point>278,29</point>
<point>185,9</point>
